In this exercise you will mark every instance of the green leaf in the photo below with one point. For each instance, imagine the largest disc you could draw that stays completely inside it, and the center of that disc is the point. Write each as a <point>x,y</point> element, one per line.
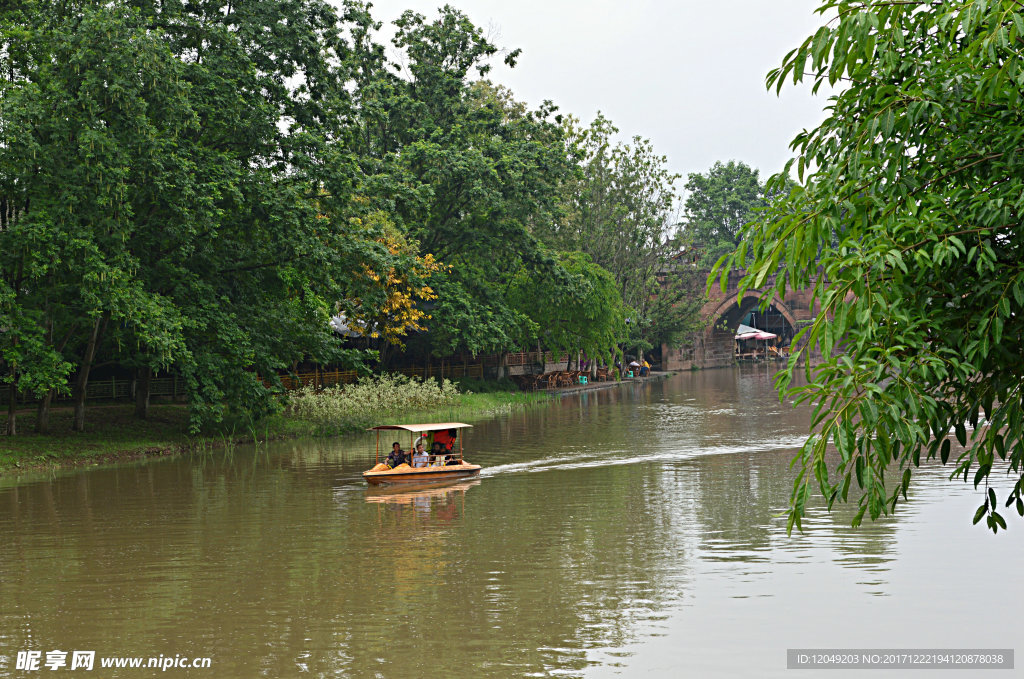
<point>981,474</point>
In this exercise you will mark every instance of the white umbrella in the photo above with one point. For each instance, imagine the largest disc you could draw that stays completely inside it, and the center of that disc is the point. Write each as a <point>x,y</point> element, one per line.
<point>746,332</point>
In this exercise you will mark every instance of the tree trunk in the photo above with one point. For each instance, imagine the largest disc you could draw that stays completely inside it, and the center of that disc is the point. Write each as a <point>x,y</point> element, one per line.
<point>12,416</point>
<point>83,374</point>
<point>43,414</point>
<point>142,376</point>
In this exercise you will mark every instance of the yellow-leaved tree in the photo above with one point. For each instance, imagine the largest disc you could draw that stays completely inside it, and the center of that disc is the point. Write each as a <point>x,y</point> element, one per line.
<point>391,291</point>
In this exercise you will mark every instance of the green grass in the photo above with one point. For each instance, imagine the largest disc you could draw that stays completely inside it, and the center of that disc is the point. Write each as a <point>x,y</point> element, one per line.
<point>113,434</point>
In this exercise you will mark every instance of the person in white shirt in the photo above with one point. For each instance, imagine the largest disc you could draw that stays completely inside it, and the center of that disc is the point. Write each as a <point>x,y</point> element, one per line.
<point>420,457</point>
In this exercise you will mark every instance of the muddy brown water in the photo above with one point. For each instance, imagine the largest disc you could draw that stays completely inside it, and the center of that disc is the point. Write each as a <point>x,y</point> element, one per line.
<point>634,530</point>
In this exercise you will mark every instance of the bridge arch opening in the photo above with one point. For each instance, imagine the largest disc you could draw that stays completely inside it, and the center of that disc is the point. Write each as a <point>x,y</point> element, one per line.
<point>723,313</point>
<point>776,318</point>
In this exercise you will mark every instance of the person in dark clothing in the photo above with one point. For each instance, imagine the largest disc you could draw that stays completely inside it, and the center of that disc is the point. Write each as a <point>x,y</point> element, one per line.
<point>446,438</point>
<point>437,453</point>
<point>397,456</point>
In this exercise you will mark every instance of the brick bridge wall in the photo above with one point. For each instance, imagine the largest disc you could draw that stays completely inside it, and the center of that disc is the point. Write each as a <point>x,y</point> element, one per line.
<point>715,346</point>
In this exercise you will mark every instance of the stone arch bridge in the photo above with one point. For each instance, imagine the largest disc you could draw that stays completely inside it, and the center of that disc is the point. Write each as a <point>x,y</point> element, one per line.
<point>723,313</point>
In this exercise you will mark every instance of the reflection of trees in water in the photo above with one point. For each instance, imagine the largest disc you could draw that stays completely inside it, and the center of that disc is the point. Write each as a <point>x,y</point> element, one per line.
<point>872,545</point>
<point>740,506</point>
<point>265,569</point>
<point>537,574</point>
<point>738,498</point>
<point>741,498</point>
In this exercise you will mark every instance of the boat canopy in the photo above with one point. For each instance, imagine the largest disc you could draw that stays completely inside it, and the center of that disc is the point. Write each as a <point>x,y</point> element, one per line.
<point>435,426</point>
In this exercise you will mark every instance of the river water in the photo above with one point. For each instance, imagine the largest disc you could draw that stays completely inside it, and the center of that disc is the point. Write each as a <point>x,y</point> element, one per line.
<point>639,529</point>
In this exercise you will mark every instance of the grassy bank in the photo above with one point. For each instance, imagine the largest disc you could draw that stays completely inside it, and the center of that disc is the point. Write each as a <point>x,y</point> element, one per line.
<point>114,435</point>
<point>396,398</point>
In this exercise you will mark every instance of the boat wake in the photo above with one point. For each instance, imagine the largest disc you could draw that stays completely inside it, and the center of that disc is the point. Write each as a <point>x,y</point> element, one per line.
<point>611,458</point>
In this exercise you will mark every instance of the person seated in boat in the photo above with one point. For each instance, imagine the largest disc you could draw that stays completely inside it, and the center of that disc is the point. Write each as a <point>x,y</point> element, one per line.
<point>397,456</point>
<point>438,454</point>
<point>420,457</point>
<point>446,437</point>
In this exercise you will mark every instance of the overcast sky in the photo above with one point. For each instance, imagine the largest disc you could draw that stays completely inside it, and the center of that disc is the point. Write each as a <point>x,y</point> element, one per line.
<point>686,74</point>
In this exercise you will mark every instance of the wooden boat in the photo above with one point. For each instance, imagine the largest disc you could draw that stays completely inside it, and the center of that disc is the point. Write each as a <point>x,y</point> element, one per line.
<point>436,469</point>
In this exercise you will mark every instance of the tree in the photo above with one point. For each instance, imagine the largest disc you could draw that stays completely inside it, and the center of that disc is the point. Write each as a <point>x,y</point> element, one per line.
<point>584,313</point>
<point>92,107</point>
<point>908,227</point>
<point>719,203</point>
<point>619,210</point>
<point>464,170</point>
<point>388,310</point>
<point>257,282</point>
<point>674,312</point>
<point>171,167</point>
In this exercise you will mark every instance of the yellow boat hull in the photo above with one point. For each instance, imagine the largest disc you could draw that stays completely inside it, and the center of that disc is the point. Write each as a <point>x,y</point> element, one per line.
<point>421,474</point>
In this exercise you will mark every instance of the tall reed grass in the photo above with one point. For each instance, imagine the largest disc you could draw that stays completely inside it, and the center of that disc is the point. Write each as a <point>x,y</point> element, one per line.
<point>388,399</point>
<point>368,401</point>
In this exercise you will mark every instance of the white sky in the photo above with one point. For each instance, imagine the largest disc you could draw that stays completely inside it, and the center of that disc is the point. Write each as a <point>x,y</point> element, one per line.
<point>688,75</point>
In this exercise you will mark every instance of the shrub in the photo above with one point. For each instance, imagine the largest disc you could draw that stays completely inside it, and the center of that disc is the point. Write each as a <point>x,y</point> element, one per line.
<point>367,401</point>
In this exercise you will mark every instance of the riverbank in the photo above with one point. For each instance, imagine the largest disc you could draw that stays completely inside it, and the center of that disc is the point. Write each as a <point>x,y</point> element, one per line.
<point>594,386</point>
<point>114,435</point>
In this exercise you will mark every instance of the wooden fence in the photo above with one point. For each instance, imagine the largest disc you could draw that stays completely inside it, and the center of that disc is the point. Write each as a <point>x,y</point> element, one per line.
<point>174,386</point>
<point>524,358</point>
<point>111,389</point>
<point>321,379</point>
<point>447,371</point>
<point>317,378</point>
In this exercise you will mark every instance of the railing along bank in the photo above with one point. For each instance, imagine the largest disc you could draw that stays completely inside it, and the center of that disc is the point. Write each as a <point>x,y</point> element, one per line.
<point>111,389</point>
<point>114,389</point>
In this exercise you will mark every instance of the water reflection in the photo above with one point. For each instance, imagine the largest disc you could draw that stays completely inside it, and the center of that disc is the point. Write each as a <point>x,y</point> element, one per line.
<point>601,526</point>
